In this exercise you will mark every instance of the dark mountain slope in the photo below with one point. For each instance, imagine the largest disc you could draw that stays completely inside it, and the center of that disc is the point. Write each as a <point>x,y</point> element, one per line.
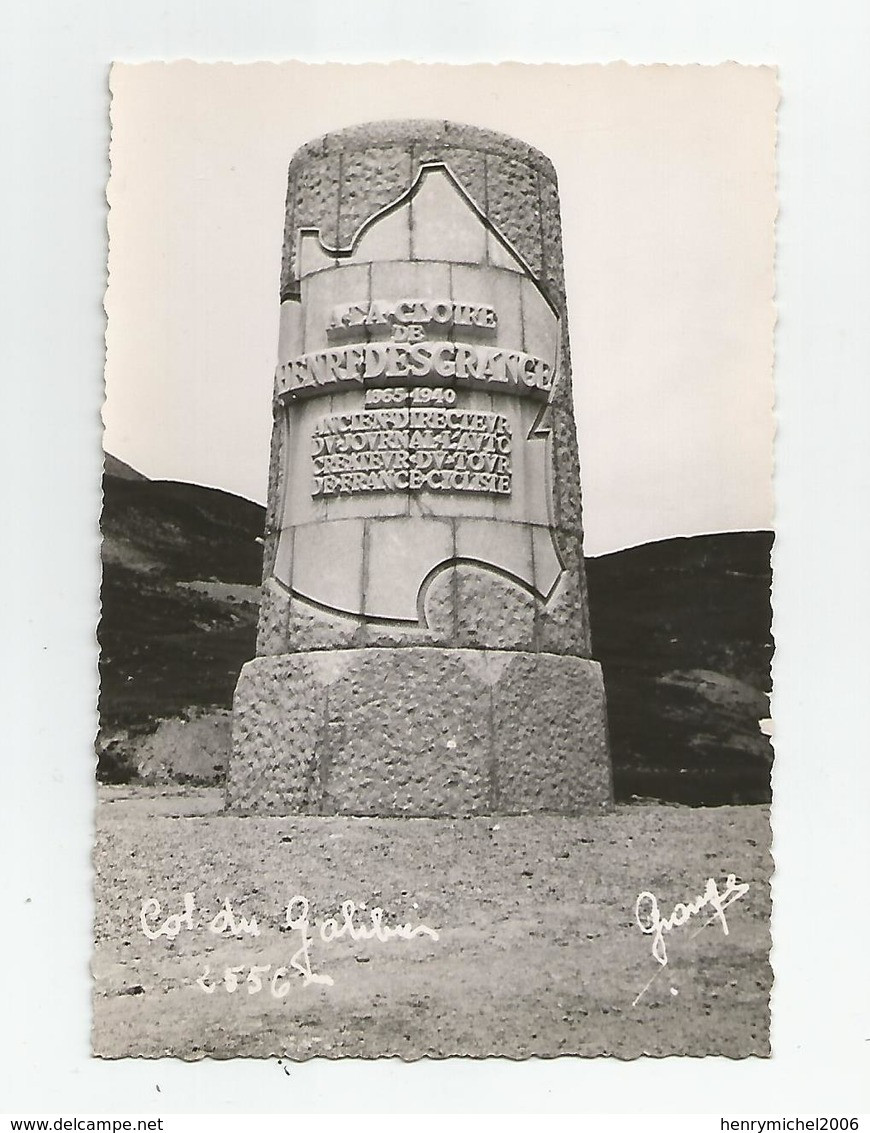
<point>167,645</point>
<point>181,530</point>
<point>682,629</point>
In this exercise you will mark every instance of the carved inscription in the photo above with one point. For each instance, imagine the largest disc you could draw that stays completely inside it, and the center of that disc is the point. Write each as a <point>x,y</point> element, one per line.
<point>410,436</point>
<point>411,448</point>
<point>423,312</point>
<point>438,363</point>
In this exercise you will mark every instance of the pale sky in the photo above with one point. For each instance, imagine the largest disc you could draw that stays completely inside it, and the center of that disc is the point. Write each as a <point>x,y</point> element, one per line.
<point>667,184</point>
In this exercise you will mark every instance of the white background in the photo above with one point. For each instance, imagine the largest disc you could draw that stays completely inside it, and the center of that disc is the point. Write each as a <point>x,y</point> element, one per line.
<point>54,108</point>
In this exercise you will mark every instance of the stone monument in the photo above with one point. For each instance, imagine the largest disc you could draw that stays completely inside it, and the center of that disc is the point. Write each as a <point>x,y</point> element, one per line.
<point>424,644</point>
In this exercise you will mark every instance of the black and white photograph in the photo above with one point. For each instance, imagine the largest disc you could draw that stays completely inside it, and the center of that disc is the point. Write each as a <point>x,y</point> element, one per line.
<point>435,461</point>
<point>435,638</point>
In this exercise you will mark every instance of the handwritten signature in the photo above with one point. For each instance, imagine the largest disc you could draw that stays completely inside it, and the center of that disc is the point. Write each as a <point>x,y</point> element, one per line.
<point>651,922</point>
<point>296,920</point>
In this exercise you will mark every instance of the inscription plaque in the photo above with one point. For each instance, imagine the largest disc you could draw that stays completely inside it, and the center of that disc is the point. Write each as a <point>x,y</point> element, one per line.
<point>411,449</point>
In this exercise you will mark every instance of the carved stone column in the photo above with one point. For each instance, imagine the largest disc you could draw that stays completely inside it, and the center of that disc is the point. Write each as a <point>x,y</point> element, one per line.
<point>424,634</point>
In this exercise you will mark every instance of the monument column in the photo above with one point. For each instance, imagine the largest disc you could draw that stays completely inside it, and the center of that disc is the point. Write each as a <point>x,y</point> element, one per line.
<point>424,641</point>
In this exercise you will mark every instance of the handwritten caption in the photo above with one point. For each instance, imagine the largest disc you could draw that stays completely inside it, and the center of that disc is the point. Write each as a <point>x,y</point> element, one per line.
<point>652,923</point>
<point>650,920</point>
<point>352,923</point>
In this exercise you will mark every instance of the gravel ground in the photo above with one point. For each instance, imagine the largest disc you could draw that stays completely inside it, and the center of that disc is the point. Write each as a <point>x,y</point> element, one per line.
<point>538,952</point>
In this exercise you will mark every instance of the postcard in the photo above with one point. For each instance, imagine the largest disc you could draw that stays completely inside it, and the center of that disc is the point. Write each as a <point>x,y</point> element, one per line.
<point>435,647</point>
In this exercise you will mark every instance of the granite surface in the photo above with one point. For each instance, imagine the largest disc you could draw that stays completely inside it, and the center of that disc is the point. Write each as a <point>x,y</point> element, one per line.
<point>419,731</point>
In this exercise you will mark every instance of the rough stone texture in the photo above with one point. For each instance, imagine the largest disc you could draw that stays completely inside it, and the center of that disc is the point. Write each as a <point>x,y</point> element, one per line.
<point>273,769</point>
<point>488,608</point>
<point>468,166</point>
<point>513,204</point>
<point>393,745</point>
<point>567,613</point>
<point>271,529</point>
<point>540,732</point>
<point>273,620</point>
<point>553,267</point>
<point>567,506</point>
<point>419,731</point>
<point>318,198</point>
<point>187,751</point>
<point>433,132</point>
<point>371,179</point>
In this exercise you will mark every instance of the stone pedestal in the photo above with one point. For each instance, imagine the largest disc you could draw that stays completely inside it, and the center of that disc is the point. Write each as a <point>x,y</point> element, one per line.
<point>424,640</point>
<point>432,732</point>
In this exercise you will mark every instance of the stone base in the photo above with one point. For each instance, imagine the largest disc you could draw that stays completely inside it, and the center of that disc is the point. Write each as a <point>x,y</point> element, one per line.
<point>425,732</point>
